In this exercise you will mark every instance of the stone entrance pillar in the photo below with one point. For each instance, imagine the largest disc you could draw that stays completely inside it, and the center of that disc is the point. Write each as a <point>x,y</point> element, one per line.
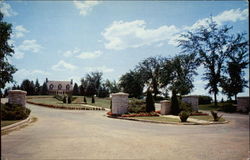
<point>193,100</point>
<point>17,97</point>
<point>165,107</point>
<point>119,103</point>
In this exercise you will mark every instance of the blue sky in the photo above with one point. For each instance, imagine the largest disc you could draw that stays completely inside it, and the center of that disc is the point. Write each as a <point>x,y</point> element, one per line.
<point>65,40</point>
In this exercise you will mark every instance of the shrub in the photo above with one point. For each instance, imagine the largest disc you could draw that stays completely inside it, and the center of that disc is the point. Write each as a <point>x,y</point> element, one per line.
<point>150,104</point>
<point>13,112</point>
<point>136,106</point>
<point>84,100</point>
<point>93,99</point>
<point>228,107</point>
<point>205,99</point>
<point>185,107</point>
<point>64,99</point>
<point>58,97</point>
<point>69,99</point>
<point>175,109</point>
<point>184,116</point>
<point>111,104</point>
<point>216,116</point>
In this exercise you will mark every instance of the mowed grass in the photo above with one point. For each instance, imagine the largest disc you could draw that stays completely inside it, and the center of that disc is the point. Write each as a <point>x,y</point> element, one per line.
<point>157,119</point>
<point>78,102</point>
<point>6,123</point>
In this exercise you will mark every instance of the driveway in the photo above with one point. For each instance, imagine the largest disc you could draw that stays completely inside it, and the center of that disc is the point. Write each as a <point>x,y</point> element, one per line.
<point>63,134</point>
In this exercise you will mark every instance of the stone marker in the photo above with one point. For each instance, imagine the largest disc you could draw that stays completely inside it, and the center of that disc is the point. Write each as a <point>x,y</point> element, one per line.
<point>243,104</point>
<point>119,103</point>
<point>193,100</point>
<point>17,97</point>
<point>165,107</point>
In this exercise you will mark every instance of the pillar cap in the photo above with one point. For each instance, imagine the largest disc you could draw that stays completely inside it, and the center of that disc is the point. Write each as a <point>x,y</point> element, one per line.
<point>165,101</point>
<point>17,91</point>
<point>120,94</point>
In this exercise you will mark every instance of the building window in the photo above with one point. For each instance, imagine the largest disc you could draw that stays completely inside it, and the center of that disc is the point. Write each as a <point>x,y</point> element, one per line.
<point>67,87</point>
<point>51,86</point>
<point>59,87</point>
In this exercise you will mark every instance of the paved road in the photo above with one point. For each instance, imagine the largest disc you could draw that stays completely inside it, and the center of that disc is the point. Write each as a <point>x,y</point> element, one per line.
<point>62,134</point>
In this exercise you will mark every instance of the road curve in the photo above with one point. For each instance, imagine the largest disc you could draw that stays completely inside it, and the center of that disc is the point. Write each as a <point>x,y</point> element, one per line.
<point>65,134</point>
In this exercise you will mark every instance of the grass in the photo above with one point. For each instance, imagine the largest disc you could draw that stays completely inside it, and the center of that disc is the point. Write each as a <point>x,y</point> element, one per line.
<point>208,107</point>
<point>78,102</point>
<point>206,118</point>
<point>157,119</point>
<point>6,123</point>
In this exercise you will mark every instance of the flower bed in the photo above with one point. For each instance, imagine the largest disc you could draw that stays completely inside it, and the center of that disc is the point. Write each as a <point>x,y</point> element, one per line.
<point>134,114</point>
<point>65,107</point>
<point>198,114</point>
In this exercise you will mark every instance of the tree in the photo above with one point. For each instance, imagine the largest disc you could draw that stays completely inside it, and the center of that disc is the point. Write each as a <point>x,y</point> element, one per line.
<point>28,86</point>
<point>37,87</point>
<point>75,90</point>
<point>211,44</point>
<point>113,87</point>
<point>236,63</point>
<point>103,91</point>
<point>6,50</point>
<point>149,70</point>
<point>150,105</point>
<point>91,83</point>
<point>44,89</point>
<point>132,84</point>
<point>175,108</point>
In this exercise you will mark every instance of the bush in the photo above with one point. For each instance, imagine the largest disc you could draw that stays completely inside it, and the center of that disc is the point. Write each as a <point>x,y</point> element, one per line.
<point>69,99</point>
<point>13,112</point>
<point>216,116</point>
<point>185,107</point>
<point>84,99</point>
<point>228,107</point>
<point>64,99</point>
<point>184,116</point>
<point>205,99</point>
<point>150,104</point>
<point>136,106</point>
<point>58,97</point>
<point>93,99</point>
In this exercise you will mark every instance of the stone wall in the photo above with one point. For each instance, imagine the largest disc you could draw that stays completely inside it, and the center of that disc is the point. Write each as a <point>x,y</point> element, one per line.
<point>193,100</point>
<point>17,97</point>
<point>243,104</point>
<point>119,103</point>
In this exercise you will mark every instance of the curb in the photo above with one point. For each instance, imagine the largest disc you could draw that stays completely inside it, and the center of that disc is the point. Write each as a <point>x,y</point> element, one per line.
<point>175,123</point>
<point>15,125</point>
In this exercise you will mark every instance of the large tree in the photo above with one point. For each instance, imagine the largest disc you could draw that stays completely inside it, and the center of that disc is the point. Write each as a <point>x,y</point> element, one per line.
<point>238,60</point>
<point>28,86</point>
<point>75,90</point>
<point>149,70</point>
<point>91,83</point>
<point>132,84</point>
<point>113,87</point>
<point>211,44</point>
<point>6,50</point>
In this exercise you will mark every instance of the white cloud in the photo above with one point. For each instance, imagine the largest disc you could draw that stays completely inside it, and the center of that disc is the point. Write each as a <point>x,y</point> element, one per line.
<point>20,31</point>
<point>30,45</point>
<point>70,53</point>
<point>89,55</point>
<point>26,73</point>
<point>6,9</point>
<point>18,55</point>
<point>232,15</point>
<point>121,35</point>
<point>103,69</point>
<point>62,66</point>
<point>85,6</point>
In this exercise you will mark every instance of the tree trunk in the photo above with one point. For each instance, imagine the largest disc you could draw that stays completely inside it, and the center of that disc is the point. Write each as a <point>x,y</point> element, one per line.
<point>235,97</point>
<point>215,99</point>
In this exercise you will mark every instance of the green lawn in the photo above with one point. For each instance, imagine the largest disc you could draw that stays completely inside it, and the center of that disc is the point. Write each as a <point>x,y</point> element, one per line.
<point>207,118</point>
<point>99,102</point>
<point>157,119</point>
<point>6,123</point>
<point>208,107</point>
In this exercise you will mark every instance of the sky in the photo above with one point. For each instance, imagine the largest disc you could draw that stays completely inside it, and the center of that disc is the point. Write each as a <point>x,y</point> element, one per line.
<point>64,40</point>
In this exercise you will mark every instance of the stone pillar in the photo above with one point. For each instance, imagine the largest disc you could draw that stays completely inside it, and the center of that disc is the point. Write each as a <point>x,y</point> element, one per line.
<point>193,100</point>
<point>119,103</point>
<point>243,104</point>
<point>17,97</point>
<point>165,107</point>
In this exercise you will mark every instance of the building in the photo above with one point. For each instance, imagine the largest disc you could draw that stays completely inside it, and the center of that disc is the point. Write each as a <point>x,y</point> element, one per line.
<point>59,87</point>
